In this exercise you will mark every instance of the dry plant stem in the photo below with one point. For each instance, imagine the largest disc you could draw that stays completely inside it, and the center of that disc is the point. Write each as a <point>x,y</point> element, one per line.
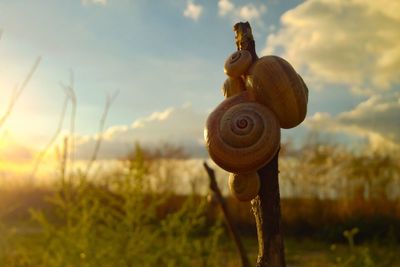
<point>70,92</point>
<point>18,91</point>
<point>228,218</point>
<point>69,96</point>
<point>52,140</point>
<point>109,101</point>
<point>63,158</point>
<point>267,213</point>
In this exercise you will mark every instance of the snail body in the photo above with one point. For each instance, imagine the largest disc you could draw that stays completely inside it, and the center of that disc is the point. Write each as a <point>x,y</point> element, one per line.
<point>242,135</point>
<point>233,86</point>
<point>276,84</point>
<point>244,186</point>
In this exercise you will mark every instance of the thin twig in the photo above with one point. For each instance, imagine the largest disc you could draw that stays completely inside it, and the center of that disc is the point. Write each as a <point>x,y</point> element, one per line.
<point>228,218</point>
<point>52,140</point>
<point>64,159</point>
<point>109,100</point>
<point>70,92</point>
<point>18,91</point>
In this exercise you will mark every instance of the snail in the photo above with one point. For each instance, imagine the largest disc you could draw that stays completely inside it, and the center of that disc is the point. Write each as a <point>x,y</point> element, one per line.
<point>276,84</point>
<point>242,135</point>
<point>262,95</point>
<point>238,63</point>
<point>233,86</point>
<point>244,186</point>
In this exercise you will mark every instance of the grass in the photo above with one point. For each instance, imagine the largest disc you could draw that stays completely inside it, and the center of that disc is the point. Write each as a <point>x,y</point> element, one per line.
<point>123,220</point>
<point>24,246</point>
<point>91,225</point>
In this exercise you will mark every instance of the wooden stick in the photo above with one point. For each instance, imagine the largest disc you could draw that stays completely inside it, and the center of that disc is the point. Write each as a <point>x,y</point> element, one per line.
<point>228,218</point>
<point>267,212</point>
<point>266,206</point>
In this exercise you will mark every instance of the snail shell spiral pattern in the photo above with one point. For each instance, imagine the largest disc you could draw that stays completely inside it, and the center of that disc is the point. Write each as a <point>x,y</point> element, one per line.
<point>242,135</point>
<point>244,186</point>
<point>237,63</point>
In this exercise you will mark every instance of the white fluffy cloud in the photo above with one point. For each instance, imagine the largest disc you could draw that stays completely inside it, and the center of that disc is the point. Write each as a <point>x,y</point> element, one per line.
<point>354,43</point>
<point>248,12</point>
<point>94,2</point>
<point>377,119</point>
<point>193,11</point>
<point>225,7</point>
<point>181,126</point>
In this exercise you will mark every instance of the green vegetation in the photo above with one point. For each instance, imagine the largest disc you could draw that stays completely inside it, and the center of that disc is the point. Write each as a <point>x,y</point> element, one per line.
<point>114,224</point>
<point>124,219</point>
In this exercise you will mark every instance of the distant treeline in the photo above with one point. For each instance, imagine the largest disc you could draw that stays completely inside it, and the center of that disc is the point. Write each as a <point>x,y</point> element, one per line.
<point>321,219</point>
<point>326,189</point>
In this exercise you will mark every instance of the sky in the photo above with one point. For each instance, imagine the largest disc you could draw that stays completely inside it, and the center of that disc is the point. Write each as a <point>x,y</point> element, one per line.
<point>165,59</point>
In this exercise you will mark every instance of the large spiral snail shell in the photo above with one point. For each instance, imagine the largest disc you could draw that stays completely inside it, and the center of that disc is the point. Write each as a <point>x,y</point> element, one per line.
<point>237,63</point>
<point>241,135</point>
<point>244,186</point>
<point>277,85</point>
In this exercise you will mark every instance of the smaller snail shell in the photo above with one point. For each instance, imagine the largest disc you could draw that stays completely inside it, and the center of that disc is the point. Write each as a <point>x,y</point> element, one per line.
<point>237,63</point>
<point>244,186</point>
<point>233,86</point>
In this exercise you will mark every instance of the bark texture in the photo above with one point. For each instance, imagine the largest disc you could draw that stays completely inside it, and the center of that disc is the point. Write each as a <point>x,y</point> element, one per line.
<point>267,213</point>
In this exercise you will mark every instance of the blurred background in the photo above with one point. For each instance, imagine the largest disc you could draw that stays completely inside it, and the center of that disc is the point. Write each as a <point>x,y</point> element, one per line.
<point>102,110</point>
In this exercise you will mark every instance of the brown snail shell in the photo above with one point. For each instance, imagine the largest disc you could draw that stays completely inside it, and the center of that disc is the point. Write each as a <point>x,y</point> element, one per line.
<point>233,86</point>
<point>244,186</point>
<point>277,85</point>
<point>237,63</point>
<point>242,135</point>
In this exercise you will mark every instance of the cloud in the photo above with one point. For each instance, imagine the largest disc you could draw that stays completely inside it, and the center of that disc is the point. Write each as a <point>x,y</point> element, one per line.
<point>353,43</point>
<point>193,11</point>
<point>94,2</point>
<point>251,12</point>
<point>248,12</point>
<point>376,119</point>
<point>225,7</point>
<point>180,126</point>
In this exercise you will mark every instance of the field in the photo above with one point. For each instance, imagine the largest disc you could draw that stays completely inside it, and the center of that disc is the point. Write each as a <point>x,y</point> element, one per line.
<point>125,219</point>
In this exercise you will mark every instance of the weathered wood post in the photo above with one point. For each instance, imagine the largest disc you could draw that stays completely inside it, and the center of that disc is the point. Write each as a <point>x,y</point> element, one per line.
<point>267,213</point>
<point>242,134</point>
